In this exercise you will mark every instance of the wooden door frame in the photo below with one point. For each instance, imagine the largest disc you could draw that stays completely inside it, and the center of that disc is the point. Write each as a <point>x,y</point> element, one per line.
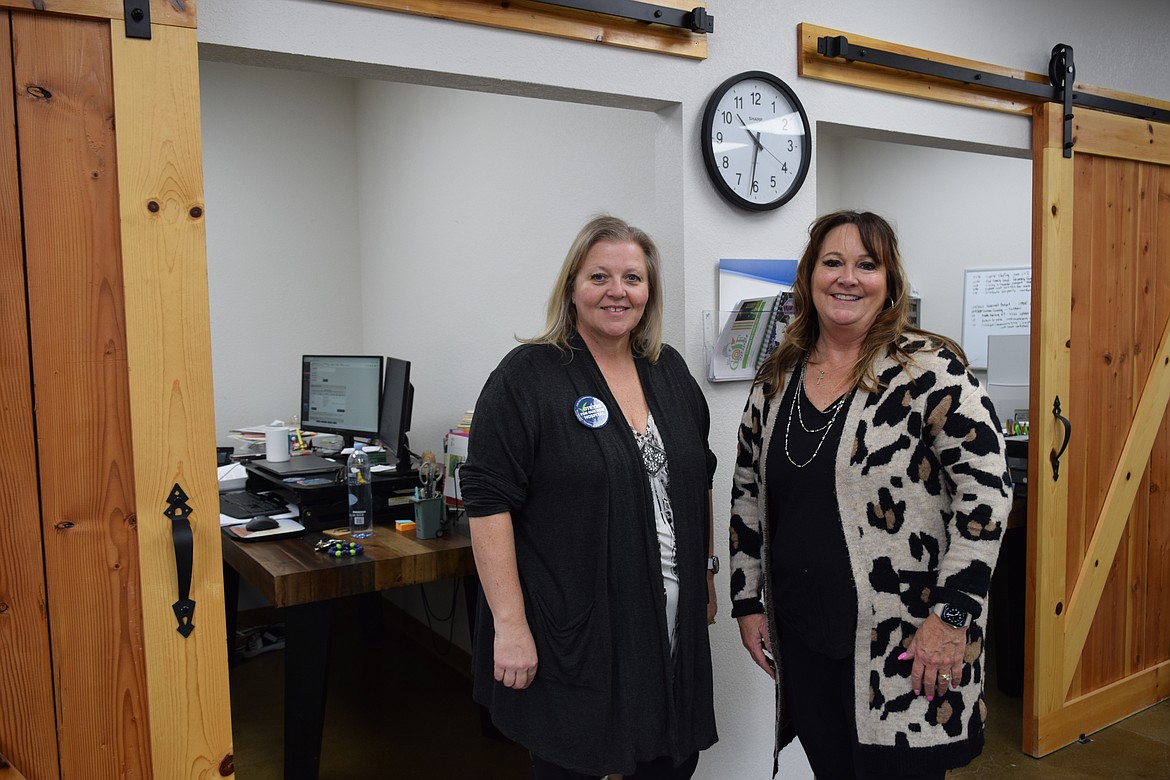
<point>560,22</point>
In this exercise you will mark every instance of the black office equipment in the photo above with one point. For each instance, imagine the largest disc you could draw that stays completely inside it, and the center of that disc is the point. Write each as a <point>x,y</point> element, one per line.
<point>397,404</point>
<point>262,524</point>
<point>341,394</point>
<point>243,504</point>
<point>324,506</point>
<point>300,465</point>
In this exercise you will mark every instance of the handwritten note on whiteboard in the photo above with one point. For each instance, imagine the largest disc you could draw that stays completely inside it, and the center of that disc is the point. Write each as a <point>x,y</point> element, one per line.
<point>995,301</point>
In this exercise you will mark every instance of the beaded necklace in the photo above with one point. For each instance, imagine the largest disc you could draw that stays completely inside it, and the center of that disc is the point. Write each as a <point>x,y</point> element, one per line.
<point>653,456</point>
<point>836,407</point>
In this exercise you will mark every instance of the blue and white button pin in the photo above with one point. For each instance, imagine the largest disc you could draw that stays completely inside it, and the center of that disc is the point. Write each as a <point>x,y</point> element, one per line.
<point>591,412</point>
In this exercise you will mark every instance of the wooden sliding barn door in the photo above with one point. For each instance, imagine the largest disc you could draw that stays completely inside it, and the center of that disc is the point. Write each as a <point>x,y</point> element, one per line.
<point>28,737</point>
<point>1099,530</point>
<point>106,404</point>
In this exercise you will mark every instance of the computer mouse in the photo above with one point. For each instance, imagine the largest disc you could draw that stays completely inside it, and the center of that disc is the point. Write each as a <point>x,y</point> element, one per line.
<point>262,524</point>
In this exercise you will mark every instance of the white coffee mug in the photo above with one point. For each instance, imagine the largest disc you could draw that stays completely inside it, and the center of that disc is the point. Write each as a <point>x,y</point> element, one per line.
<point>276,444</point>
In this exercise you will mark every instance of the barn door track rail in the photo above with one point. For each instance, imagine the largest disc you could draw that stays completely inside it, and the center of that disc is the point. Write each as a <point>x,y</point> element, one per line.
<point>696,20</point>
<point>1061,76</point>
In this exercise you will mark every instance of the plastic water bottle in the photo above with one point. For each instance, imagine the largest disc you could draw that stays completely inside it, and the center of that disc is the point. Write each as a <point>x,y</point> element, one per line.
<point>361,496</point>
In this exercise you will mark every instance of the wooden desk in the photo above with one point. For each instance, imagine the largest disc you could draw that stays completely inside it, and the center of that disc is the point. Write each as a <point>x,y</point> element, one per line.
<point>304,584</point>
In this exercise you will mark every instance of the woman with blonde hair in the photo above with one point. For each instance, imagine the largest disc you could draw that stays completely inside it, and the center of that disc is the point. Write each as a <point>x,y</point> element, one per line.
<point>588,487</point>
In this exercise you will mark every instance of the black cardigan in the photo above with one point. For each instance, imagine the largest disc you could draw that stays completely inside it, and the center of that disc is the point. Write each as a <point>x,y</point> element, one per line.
<point>605,693</point>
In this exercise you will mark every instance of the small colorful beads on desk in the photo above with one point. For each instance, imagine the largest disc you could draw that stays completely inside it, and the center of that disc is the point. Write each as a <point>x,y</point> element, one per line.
<point>339,549</point>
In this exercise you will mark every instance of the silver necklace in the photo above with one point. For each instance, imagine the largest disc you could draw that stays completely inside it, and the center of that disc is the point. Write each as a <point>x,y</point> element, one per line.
<point>837,406</point>
<point>800,413</point>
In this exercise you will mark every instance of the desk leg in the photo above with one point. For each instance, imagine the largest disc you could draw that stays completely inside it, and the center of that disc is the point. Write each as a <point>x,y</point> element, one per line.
<point>231,599</point>
<point>306,676</point>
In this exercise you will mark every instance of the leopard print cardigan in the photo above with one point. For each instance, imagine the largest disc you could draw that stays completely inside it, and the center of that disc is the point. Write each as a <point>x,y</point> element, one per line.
<point>924,493</point>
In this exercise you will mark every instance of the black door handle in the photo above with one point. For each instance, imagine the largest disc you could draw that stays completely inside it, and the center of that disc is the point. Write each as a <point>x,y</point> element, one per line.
<point>1067,435</point>
<point>178,510</point>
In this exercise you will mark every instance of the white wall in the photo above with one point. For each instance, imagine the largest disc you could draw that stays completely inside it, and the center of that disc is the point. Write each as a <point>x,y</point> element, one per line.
<point>281,232</point>
<point>468,203</point>
<point>361,216</point>
<point>691,221</point>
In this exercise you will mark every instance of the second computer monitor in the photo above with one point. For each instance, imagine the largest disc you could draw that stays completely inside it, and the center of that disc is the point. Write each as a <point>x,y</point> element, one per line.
<point>397,405</point>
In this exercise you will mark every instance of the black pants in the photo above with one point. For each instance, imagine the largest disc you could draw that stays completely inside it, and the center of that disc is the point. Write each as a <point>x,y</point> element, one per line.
<point>819,691</point>
<point>658,769</point>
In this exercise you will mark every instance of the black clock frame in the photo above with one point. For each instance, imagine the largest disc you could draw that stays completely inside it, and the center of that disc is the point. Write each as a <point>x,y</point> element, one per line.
<point>712,166</point>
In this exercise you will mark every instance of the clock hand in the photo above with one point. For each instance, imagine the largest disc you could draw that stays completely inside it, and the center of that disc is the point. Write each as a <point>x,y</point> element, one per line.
<point>755,136</point>
<point>769,151</point>
<point>757,139</point>
<point>756,147</point>
<point>752,175</point>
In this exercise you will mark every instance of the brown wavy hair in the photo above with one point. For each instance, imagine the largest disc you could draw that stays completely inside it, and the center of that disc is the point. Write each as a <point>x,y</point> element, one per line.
<point>889,329</point>
<point>561,319</point>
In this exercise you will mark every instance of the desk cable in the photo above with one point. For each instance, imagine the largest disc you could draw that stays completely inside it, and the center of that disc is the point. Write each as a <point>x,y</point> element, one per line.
<point>448,524</point>
<point>449,619</point>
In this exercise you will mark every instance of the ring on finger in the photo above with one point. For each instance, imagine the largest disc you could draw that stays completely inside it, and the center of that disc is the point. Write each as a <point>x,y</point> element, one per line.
<point>945,676</point>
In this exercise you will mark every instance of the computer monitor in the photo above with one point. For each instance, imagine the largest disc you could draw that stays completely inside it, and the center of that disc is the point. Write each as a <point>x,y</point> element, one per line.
<point>397,404</point>
<point>341,394</point>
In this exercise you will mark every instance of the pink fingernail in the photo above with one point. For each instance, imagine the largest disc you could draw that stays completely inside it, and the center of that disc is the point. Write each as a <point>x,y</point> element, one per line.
<point>916,693</point>
<point>902,657</point>
<point>929,697</point>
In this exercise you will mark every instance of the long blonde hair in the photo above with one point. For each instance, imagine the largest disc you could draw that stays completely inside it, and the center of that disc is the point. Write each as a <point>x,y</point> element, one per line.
<point>888,330</point>
<point>561,319</point>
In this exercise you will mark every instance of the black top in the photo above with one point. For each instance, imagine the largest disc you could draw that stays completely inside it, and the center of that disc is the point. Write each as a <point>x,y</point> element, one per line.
<point>607,693</point>
<point>812,578</point>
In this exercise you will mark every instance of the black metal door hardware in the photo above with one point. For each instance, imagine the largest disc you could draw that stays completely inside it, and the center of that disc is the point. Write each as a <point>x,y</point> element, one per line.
<point>695,20</point>
<point>178,510</point>
<point>1061,73</point>
<point>136,14</point>
<point>1055,456</point>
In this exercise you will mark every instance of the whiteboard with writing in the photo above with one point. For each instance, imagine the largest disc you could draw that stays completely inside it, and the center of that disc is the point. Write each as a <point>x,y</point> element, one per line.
<point>995,301</point>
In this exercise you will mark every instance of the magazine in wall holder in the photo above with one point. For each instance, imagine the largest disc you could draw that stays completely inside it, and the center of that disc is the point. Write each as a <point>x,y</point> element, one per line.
<point>737,342</point>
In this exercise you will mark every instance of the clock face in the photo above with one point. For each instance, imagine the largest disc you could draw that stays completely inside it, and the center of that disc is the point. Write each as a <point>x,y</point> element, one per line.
<point>756,141</point>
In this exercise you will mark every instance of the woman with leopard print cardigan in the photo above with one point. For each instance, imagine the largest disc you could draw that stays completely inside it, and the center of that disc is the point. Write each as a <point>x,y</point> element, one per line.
<point>869,498</point>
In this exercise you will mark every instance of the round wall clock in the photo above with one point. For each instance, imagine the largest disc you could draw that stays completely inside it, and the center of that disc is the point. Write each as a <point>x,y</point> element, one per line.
<point>756,141</point>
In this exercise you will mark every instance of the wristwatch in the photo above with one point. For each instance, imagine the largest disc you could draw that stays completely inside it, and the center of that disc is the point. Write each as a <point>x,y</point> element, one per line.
<point>713,564</point>
<point>951,615</point>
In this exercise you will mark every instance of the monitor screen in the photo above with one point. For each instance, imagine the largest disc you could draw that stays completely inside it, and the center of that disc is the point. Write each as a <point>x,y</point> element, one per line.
<point>397,403</point>
<point>341,394</point>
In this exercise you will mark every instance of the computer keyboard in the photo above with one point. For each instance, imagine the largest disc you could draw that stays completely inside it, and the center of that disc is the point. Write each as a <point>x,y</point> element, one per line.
<point>243,504</point>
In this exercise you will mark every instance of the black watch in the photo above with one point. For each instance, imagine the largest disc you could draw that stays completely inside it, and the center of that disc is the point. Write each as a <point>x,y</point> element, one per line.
<point>951,615</point>
<point>713,564</point>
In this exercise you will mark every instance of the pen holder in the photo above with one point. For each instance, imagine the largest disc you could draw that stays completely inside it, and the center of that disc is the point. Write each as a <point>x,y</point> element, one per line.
<point>428,517</point>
